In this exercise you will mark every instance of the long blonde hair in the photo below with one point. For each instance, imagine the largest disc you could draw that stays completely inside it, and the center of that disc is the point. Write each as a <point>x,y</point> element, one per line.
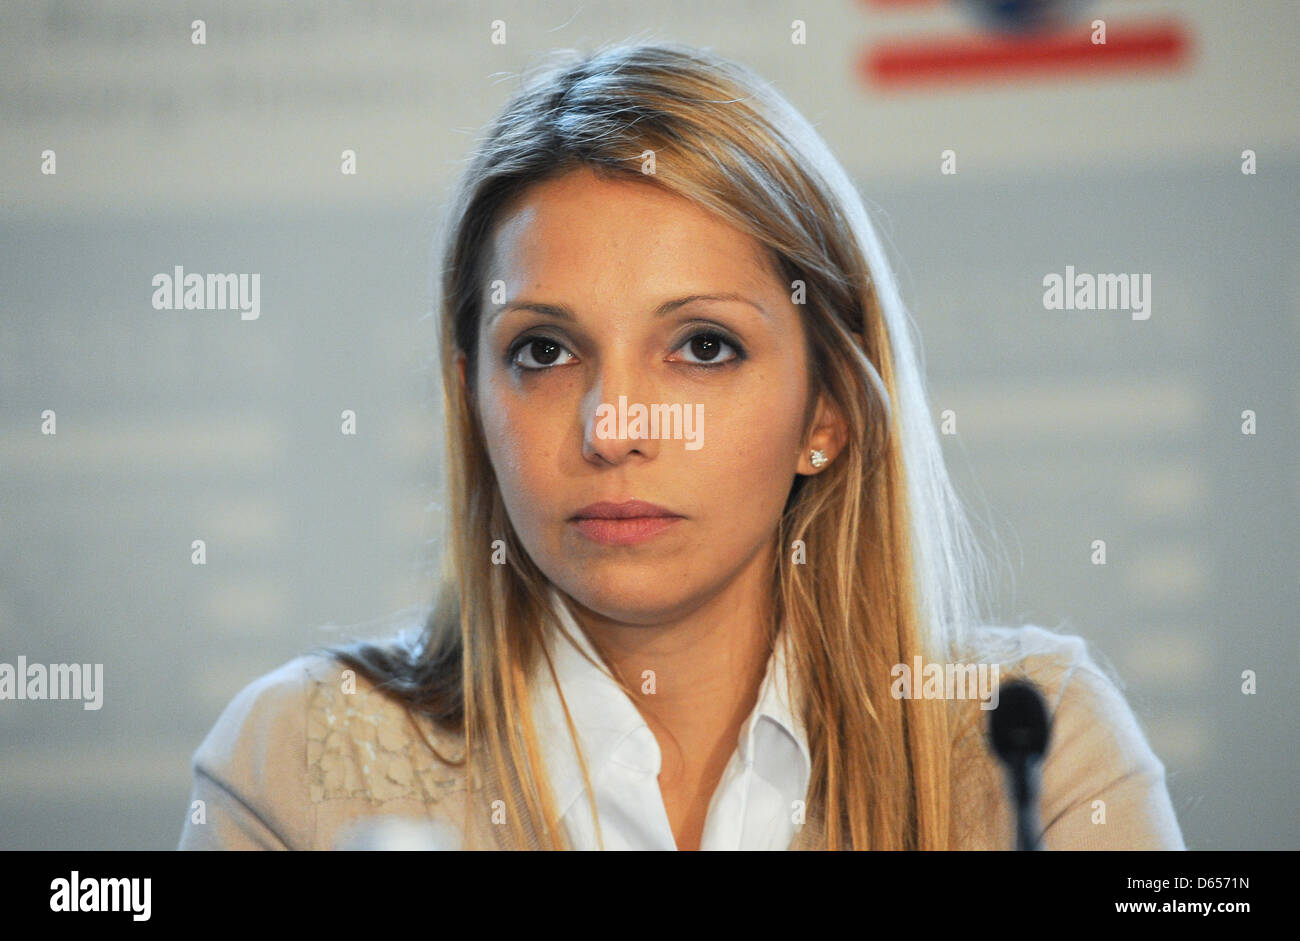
<point>892,570</point>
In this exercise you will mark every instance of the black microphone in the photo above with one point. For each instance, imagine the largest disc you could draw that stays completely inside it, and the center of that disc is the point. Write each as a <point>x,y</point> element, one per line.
<point>1019,730</point>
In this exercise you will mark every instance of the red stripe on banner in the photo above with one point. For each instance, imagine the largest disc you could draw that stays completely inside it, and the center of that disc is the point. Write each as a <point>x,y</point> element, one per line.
<point>1127,47</point>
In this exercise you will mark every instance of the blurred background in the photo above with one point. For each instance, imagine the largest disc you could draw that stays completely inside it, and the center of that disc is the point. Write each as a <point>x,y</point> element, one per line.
<point>1072,426</point>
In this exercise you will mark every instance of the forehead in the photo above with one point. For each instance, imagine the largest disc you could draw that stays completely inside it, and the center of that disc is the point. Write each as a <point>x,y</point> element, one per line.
<point>581,233</point>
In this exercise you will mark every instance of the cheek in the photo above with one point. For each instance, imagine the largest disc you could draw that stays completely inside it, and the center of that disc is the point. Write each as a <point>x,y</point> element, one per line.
<point>751,446</point>
<point>523,438</point>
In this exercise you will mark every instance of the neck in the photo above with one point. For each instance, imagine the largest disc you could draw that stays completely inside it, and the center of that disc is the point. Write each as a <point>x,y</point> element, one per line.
<point>707,663</point>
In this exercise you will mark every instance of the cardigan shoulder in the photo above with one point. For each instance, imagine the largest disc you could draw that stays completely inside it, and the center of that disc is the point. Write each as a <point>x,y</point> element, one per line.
<point>1102,786</point>
<point>303,754</point>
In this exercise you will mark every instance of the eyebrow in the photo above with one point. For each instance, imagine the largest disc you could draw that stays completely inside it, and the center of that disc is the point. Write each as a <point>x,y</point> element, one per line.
<point>562,312</point>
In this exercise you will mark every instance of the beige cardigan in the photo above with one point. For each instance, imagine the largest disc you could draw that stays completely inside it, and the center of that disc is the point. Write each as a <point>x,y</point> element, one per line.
<point>294,762</point>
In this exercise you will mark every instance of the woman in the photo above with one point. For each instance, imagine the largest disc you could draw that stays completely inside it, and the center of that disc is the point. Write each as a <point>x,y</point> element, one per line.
<point>700,529</point>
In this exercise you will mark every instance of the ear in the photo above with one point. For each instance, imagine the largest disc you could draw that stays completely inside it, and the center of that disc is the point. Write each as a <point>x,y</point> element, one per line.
<point>829,434</point>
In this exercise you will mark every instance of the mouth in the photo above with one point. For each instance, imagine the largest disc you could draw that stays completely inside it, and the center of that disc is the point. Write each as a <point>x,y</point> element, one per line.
<point>623,524</point>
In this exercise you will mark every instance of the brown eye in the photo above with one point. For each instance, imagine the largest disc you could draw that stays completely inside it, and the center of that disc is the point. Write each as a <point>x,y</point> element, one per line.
<point>539,353</point>
<point>708,349</point>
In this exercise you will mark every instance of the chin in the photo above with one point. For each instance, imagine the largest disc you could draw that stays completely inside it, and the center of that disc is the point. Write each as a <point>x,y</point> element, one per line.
<point>628,594</point>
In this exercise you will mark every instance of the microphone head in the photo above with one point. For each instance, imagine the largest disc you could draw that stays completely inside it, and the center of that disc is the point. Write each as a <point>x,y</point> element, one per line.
<point>1019,727</point>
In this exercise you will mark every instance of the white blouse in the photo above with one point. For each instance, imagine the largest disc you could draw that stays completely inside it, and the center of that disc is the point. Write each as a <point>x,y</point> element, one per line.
<point>756,804</point>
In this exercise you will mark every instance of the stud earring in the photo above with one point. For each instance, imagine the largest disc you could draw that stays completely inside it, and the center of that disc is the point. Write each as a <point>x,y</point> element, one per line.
<point>818,458</point>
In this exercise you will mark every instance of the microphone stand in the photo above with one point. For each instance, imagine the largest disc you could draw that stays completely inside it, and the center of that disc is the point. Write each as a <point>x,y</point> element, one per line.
<point>1019,732</point>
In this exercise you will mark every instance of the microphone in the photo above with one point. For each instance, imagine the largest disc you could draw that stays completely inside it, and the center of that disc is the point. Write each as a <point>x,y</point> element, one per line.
<point>1019,730</point>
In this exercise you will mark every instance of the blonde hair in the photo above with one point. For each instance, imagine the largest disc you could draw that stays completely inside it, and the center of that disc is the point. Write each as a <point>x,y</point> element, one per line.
<point>893,567</point>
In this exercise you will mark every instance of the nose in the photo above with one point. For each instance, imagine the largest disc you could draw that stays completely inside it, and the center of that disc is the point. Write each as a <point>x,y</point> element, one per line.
<point>611,432</point>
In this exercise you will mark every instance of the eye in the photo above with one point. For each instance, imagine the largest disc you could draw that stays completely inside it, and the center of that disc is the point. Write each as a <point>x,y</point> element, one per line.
<point>537,353</point>
<point>710,348</point>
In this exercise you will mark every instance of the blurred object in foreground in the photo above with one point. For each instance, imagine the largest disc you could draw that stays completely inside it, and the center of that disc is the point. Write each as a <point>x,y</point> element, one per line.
<point>399,833</point>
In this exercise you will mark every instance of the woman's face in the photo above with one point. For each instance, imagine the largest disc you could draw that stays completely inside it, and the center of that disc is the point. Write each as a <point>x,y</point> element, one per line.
<point>587,313</point>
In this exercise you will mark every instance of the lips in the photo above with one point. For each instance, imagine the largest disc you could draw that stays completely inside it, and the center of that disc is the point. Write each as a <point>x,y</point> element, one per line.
<point>623,524</point>
<point>631,509</point>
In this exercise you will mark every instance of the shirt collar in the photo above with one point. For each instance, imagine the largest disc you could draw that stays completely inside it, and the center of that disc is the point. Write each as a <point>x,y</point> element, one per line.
<point>611,728</point>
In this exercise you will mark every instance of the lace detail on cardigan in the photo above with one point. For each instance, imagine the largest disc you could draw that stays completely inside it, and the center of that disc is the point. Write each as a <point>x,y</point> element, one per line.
<point>363,744</point>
